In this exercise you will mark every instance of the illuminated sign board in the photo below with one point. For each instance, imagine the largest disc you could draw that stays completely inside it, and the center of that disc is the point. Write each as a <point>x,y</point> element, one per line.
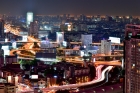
<point>14,45</point>
<point>114,40</point>
<point>24,38</point>
<point>34,76</point>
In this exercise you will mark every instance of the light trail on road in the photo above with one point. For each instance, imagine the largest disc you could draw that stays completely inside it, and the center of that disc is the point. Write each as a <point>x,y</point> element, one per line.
<point>101,77</point>
<point>100,73</point>
<point>27,45</point>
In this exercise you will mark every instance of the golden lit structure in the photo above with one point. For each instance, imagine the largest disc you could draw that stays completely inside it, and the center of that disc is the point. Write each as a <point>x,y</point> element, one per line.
<point>27,45</point>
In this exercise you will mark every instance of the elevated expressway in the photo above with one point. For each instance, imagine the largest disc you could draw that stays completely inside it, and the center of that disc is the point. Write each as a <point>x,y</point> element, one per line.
<point>100,73</point>
<point>109,63</point>
<point>26,46</point>
<point>31,40</point>
<point>100,76</point>
<point>80,61</point>
<point>113,44</point>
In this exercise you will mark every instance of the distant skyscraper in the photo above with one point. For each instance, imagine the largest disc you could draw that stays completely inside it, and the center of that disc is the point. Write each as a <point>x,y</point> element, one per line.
<point>82,17</point>
<point>2,29</point>
<point>64,16</point>
<point>33,31</point>
<point>106,47</point>
<point>29,18</point>
<point>132,58</point>
<point>86,39</point>
<point>98,18</point>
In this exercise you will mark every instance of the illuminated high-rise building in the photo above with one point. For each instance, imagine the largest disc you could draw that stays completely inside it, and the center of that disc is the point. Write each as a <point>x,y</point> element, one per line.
<point>59,37</point>
<point>29,18</point>
<point>132,58</point>
<point>33,30</point>
<point>106,47</point>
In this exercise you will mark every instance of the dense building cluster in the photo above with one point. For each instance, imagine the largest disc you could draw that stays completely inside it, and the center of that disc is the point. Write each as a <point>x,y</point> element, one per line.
<point>99,26</point>
<point>49,51</point>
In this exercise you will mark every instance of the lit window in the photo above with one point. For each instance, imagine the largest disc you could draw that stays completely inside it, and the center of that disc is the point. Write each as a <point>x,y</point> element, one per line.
<point>133,66</point>
<point>128,58</point>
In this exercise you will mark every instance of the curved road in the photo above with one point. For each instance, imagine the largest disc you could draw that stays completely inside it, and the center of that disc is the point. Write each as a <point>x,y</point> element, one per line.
<point>16,32</point>
<point>101,77</point>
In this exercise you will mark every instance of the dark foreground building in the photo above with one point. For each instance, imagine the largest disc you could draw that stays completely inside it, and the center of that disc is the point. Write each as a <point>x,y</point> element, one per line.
<point>1,29</point>
<point>132,58</point>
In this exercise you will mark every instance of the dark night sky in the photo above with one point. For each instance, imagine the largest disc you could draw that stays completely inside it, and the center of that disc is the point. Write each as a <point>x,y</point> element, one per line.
<point>89,7</point>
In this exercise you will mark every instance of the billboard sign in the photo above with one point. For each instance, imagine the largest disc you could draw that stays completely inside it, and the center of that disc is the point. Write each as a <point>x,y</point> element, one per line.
<point>64,44</point>
<point>24,38</point>
<point>66,23</point>
<point>14,45</point>
<point>114,40</point>
<point>34,76</point>
<point>6,40</point>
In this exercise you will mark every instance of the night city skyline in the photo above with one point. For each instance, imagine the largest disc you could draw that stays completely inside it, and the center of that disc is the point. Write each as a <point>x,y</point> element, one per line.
<point>69,46</point>
<point>56,7</point>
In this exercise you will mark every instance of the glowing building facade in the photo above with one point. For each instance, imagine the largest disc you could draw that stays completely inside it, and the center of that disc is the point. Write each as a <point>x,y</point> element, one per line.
<point>59,37</point>
<point>29,18</point>
<point>106,47</point>
<point>132,58</point>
